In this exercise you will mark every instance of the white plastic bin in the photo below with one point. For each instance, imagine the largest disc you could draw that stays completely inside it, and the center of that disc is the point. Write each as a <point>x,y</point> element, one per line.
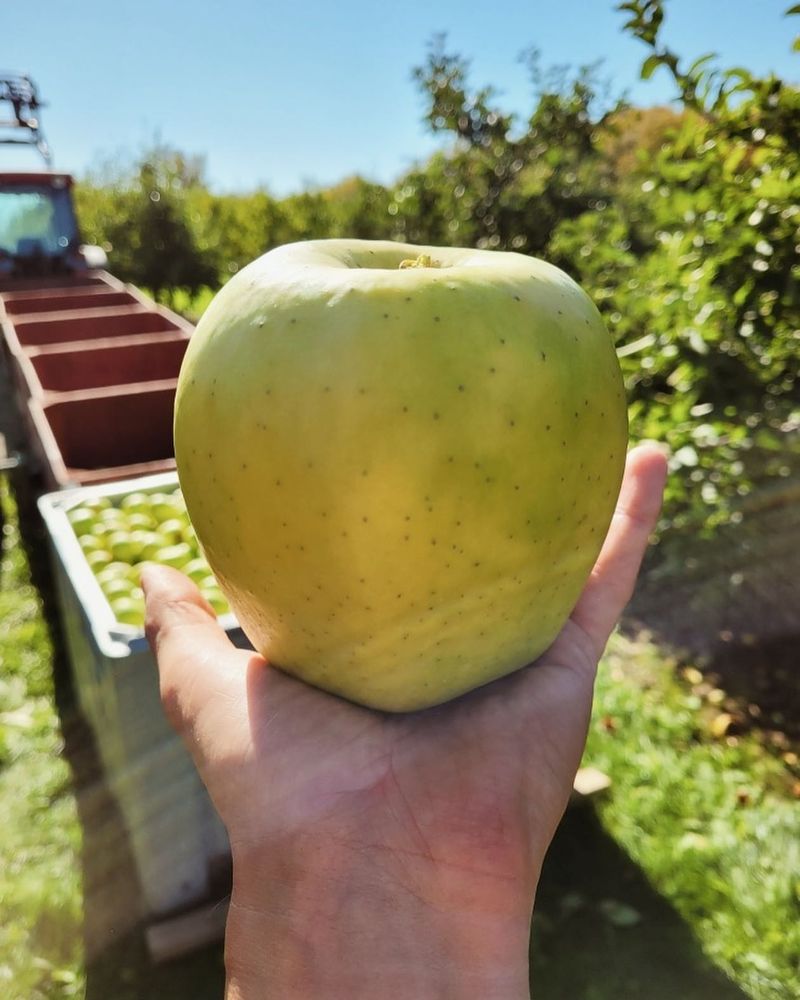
<point>176,836</point>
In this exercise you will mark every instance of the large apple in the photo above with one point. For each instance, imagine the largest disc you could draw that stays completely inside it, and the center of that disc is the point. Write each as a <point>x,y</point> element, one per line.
<point>400,461</point>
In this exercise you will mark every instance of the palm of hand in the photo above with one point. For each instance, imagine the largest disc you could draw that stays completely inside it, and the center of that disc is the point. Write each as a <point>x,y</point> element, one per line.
<point>476,785</point>
<point>451,785</point>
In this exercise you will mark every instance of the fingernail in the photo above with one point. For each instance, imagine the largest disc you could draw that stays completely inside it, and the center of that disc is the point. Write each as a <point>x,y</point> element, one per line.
<point>661,446</point>
<point>149,573</point>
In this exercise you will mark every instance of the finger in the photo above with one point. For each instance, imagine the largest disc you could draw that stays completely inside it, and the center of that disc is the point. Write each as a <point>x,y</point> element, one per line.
<point>613,578</point>
<point>198,666</point>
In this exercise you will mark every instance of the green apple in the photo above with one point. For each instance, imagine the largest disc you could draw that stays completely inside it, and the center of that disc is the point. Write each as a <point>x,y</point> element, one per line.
<point>82,520</point>
<point>93,542</point>
<point>166,506</point>
<point>217,600</point>
<point>98,558</point>
<point>123,546</point>
<point>140,521</point>
<point>97,504</point>
<point>175,555</point>
<point>208,583</point>
<point>400,461</point>
<point>144,544</point>
<point>172,529</point>
<point>120,587</point>
<point>136,503</point>
<point>117,571</point>
<point>197,570</point>
<point>111,516</point>
<point>128,610</point>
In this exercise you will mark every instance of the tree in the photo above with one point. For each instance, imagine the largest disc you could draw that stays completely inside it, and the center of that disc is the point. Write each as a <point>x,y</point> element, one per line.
<point>508,187</point>
<point>140,216</point>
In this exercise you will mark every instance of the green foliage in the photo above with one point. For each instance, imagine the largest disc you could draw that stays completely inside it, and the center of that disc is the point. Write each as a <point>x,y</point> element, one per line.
<point>142,217</point>
<point>504,185</point>
<point>691,253</point>
<point>683,226</point>
<point>707,309</point>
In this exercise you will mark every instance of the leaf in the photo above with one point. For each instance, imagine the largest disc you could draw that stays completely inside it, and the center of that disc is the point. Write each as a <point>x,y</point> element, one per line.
<point>693,842</point>
<point>741,72</point>
<point>795,9</point>
<point>685,457</point>
<point>649,66</point>
<point>648,340</point>
<point>696,342</point>
<point>63,976</point>
<point>21,718</point>
<point>796,44</point>
<point>692,71</point>
<point>734,158</point>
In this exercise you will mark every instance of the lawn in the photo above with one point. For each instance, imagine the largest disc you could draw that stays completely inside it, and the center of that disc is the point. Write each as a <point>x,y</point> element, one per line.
<point>40,873</point>
<point>697,818</point>
<point>682,881</point>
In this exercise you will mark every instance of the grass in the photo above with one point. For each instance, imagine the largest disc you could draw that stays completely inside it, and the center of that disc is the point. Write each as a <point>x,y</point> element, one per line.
<point>702,820</point>
<point>713,818</point>
<point>40,884</point>
<point>683,881</point>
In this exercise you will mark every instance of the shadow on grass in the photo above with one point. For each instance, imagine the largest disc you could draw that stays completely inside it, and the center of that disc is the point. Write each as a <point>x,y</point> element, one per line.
<point>578,951</point>
<point>125,972</point>
<point>764,681</point>
<point>729,604</point>
<point>601,932</point>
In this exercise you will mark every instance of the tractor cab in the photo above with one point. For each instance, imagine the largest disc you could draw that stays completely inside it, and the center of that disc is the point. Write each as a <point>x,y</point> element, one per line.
<point>38,229</point>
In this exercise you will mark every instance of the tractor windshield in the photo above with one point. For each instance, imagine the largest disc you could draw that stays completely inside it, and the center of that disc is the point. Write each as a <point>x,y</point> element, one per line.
<point>36,220</point>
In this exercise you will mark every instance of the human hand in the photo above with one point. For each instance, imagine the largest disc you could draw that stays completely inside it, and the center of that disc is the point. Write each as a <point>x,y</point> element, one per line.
<point>389,855</point>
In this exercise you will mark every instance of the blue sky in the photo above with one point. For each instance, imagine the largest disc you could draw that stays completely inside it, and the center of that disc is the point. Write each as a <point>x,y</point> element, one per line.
<point>289,94</point>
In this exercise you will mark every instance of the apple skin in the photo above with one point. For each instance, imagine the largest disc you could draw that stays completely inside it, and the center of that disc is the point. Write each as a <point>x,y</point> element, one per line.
<point>401,476</point>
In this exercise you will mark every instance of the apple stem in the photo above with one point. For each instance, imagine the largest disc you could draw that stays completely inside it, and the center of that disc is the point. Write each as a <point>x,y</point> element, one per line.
<point>423,260</point>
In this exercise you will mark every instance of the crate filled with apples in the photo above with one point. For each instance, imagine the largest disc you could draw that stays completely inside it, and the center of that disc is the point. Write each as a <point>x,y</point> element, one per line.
<point>119,533</point>
<point>98,537</point>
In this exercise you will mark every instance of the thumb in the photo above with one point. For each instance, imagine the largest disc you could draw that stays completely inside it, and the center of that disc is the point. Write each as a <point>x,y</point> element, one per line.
<point>199,668</point>
<point>613,578</point>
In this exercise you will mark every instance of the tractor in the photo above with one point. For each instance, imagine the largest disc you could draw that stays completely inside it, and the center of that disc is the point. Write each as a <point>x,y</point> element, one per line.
<point>38,230</point>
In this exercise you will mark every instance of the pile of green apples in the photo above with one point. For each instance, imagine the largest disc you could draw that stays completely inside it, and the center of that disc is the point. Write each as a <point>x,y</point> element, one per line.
<point>118,535</point>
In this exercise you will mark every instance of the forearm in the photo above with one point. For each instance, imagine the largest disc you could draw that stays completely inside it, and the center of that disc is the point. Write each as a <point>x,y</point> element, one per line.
<point>361,926</point>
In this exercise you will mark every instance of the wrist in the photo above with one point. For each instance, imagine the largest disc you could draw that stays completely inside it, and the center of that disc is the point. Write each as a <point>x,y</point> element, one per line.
<point>316,919</point>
